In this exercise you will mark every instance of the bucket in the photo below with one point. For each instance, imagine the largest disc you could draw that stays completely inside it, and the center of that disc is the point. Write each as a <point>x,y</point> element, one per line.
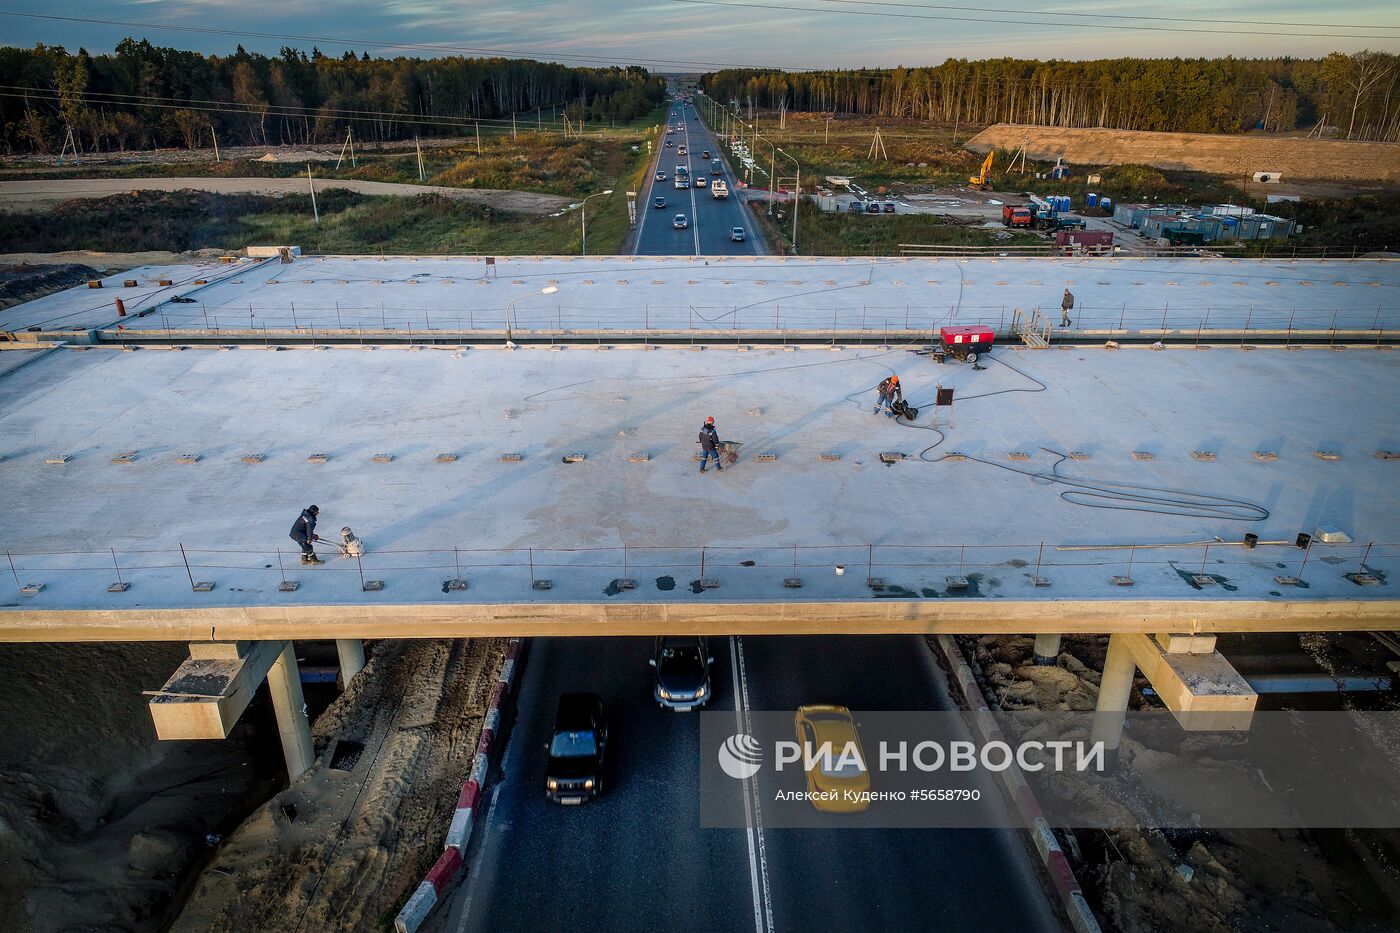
<point>840,570</point>
<point>1304,539</point>
<point>1250,540</point>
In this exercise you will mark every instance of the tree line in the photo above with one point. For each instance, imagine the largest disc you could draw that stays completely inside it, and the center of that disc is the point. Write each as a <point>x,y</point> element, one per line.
<point>144,96</point>
<point>1344,96</point>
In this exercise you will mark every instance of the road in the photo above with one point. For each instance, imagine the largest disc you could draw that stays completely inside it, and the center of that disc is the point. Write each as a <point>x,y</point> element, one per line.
<point>637,857</point>
<point>41,195</point>
<point>710,220</point>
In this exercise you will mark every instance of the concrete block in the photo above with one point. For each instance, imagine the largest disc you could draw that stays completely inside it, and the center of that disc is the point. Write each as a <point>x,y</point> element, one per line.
<point>187,458</point>
<point>1265,456</point>
<point>252,458</point>
<point>1079,455</point>
<point>121,587</point>
<point>1040,581</point>
<point>412,915</point>
<point>382,458</point>
<point>542,584</point>
<point>1204,456</point>
<point>203,586</point>
<point>58,458</point>
<point>625,583</point>
<point>455,585</point>
<point>446,458</point>
<point>574,457</point>
<point>792,583</point>
<point>318,458</point>
<point>829,456</point>
<point>956,583</point>
<point>373,585</point>
<point>1202,579</point>
<point>1187,643</point>
<point>1364,579</point>
<point>638,457</point>
<point>459,831</point>
<point>1122,581</point>
<point>1142,455</point>
<point>891,456</point>
<point>875,583</point>
<point>1327,534</point>
<point>288,586</point>
<point>126,456</point>
<point>709,583</point>
<point>766,457</point>
<point>1017,455</point>
<point>512,458</point>
<point>1327,455</point>
<point>1287,581</point>
<point>1388,454</point>
<point>955,455</point>
<point>32,589</point>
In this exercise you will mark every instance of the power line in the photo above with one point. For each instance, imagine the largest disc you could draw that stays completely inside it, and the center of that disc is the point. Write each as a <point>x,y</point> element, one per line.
<point>1125,16</point>
<point>1018,22</point>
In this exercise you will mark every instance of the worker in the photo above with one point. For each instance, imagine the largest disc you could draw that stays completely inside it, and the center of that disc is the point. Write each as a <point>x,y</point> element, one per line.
<point>890,392</point>
<point>709,445</point>
<point>1066,304</point>
<point>304,532</point>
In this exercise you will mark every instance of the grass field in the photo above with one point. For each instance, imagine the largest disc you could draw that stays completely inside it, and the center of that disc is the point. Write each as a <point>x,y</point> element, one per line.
<point>844,234</point>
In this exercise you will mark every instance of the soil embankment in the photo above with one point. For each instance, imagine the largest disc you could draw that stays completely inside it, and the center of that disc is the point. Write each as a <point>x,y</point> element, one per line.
<point>1219,154</point>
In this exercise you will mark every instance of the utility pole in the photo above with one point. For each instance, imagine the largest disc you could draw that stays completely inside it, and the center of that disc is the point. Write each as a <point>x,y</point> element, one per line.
<point>315,212</point>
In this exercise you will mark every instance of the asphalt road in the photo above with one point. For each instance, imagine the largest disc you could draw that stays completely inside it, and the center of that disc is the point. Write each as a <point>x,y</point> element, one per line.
<point>637,857</point>
<point>710,220</point>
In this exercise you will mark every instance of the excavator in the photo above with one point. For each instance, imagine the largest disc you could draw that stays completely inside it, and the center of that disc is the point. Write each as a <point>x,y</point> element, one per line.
<point>982,181</point>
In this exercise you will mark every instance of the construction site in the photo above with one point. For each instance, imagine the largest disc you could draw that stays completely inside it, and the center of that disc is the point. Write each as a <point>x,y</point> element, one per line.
<point>1112,514</point>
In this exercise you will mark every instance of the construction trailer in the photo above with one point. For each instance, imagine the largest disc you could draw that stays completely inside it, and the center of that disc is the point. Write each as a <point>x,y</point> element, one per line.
<point>1084,242</point>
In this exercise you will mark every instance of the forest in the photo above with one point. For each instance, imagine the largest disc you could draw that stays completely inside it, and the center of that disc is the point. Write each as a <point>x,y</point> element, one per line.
<point>144,96</point>
<point>1343,96</point>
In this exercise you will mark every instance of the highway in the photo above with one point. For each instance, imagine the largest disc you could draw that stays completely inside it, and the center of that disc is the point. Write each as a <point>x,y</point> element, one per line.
<point>710,220</point>
<point>637,857</point>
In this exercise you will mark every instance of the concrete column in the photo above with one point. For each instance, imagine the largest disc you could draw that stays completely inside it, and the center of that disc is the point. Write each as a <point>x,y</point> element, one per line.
<point>1047,648</point>
<point>352,658</point>
<point>1114,690</point>
<point>284,682</point>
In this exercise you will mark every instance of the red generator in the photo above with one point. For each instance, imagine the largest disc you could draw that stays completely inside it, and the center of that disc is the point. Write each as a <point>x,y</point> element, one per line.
<point>966,342</point>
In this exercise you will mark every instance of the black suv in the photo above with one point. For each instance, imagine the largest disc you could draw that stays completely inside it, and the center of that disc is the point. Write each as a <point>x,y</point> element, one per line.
<point>575,770</point>
<point>682,665</point>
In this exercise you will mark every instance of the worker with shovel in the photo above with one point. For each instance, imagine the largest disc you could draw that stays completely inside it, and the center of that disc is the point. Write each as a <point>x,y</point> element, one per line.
<point>304,532</point>
<point>890,393</point>
<point>709,445</point>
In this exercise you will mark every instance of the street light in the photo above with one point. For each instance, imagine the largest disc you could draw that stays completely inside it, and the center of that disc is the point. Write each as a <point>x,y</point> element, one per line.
<point>510,306</point>
<point>584,204</point>
<point>796,198</point>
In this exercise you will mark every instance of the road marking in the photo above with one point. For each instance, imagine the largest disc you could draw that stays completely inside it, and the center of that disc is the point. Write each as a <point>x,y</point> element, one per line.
<point>473,876</point>
<point>753,815</point>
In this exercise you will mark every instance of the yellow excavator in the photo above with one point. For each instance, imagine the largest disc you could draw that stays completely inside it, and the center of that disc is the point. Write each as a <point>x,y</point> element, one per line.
<point>982,181</point>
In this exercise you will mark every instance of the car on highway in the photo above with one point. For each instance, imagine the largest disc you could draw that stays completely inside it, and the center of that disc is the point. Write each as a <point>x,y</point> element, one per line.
<point>700,181</point>
<point>705,154</point>
<point>716,167</point>
<point>838,779</point>
<point>576,749</point>
<point>660,176</point>
<point>682,181</point>
<point>658,201</point>
<point>682,672</point>
<point>669,143</point>
<point>680,222</point>
<point>737,235</point>
<point>680,150</point>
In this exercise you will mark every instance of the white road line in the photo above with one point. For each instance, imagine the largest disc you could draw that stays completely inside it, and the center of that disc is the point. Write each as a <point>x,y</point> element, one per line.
<point>694,208</point>
<point>644,206</point>
<point>474,876</point>
<point>753,816</point>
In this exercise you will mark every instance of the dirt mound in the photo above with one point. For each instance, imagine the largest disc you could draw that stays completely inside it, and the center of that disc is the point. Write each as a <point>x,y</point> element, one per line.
<point>24,282</point>
<point>1237,156</point>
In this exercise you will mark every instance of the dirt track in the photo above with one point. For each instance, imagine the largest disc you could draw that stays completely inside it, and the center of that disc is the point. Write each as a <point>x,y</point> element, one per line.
<point>1238,156</point>
<point>25,195</point>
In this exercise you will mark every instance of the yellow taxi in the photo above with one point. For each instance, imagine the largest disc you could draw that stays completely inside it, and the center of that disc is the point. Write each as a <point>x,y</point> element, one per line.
<point>838,780</point>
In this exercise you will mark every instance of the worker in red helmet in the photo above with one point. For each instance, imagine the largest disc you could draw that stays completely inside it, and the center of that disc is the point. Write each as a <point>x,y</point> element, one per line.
<point>709,445</point>
<point>890,392</point>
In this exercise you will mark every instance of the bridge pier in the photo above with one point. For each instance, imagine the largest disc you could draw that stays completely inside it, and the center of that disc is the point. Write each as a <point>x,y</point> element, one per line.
<point>1115,687</point>
<point>352,658</point>
<point>1047,648</point>
<point>284,683</point>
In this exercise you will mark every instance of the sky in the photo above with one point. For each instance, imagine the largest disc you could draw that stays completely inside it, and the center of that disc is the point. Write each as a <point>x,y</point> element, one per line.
<point>702,35</point>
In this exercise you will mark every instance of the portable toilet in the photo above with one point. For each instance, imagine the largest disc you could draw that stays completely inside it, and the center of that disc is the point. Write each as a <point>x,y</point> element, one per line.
<point>1106,204</point>
<point>1091,199</point>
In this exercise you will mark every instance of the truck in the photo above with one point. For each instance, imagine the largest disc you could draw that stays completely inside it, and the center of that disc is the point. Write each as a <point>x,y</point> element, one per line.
<point>1017,215</point>
<point>719,190</point>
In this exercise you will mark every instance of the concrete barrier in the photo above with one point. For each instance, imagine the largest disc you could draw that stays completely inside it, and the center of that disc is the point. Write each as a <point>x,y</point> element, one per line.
<point>451,865</point>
